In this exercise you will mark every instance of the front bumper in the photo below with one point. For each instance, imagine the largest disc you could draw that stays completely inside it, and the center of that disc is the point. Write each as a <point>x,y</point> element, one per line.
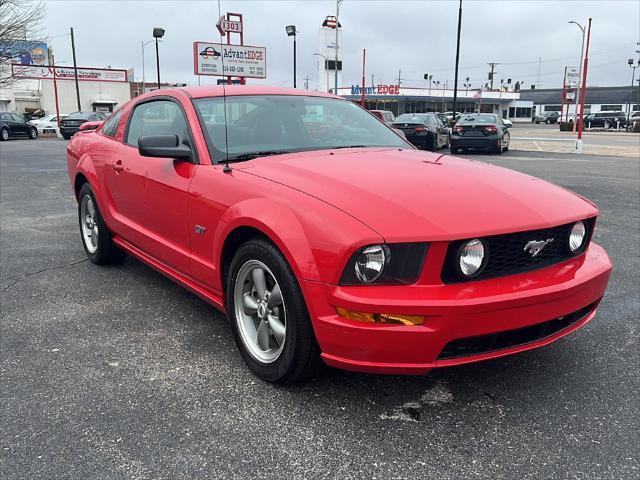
<point>70,131</point>
<point>452,313</point>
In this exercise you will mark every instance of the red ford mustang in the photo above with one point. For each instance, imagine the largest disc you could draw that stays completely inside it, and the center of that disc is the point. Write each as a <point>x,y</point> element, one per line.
<point>327,237</point>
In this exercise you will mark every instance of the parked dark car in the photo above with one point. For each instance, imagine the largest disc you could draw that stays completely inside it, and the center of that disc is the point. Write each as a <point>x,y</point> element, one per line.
<point>605,119</point>
<point>13,125</point>
<point>71,124</point>
<point>547,117</point>
<point>385,115</point>
<point>424,130</point>
<point>484,131</point>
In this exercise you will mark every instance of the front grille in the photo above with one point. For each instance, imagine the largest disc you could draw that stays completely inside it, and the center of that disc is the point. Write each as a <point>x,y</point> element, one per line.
<point>505,254</point>
<point>464,347</point>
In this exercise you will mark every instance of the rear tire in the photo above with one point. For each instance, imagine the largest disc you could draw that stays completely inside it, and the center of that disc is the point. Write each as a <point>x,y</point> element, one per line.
<point>607,125</point>
<point>96,237</point>
<point>4,134</point>
<point>288,353</point>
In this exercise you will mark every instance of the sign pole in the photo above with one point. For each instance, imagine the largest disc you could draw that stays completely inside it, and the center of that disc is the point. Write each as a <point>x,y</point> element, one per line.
<point>564,92</point>
<point>55,91</point>
<point>364,53</point>
<point>583,91</point>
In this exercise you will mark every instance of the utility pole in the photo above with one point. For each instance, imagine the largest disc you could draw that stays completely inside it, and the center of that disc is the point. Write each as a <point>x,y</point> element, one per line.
<point>583,91</point>
<point>539,85</point>
<point>493,66</point>
<point>399,77</point>
<point>75,69</point>
<point>372,82</point>
<point>455,84</point>
<point>306,82</point>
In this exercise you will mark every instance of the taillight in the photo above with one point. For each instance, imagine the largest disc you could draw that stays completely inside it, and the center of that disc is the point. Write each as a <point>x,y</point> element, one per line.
<point>421,129</point>
<point>458,129</point>
<point>491,129</point>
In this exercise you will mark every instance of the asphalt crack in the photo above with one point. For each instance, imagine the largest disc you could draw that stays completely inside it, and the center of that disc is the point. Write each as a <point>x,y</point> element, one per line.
<point>37,272</point>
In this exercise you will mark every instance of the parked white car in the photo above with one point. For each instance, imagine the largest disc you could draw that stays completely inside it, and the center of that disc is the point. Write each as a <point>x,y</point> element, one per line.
<point>507,122</point>
<point>46,124</point>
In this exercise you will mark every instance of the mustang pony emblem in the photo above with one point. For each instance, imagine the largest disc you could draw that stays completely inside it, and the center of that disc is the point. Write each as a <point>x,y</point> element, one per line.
<point>534,247</point>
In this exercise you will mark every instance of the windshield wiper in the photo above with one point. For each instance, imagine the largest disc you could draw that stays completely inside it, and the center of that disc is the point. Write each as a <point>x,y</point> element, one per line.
<point>349,146</point>
<point>252,155</point>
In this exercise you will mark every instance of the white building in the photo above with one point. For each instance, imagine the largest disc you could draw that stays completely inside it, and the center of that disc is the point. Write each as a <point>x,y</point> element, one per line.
<point>35,89</point>
<point>326,54</point>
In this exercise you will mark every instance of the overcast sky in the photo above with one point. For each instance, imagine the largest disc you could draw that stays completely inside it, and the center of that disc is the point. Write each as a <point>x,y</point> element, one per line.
<point>416,37</point>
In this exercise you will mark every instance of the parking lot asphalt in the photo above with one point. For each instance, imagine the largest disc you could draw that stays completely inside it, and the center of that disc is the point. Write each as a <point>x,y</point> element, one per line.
<point>116,372</point>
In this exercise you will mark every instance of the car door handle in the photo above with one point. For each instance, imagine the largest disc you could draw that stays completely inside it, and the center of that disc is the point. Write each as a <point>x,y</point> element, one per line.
<point>117,166</point>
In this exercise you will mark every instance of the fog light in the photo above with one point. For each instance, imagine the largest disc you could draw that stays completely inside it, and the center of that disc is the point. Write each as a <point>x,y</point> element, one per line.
<point>389,318</point>
<point>577,236</point>
<point>471,257</point>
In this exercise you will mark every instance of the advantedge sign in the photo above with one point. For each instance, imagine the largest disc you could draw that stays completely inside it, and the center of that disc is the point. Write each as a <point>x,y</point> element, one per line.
<point>223,60</point>
<point>67,73</point>
<point>376,90</point>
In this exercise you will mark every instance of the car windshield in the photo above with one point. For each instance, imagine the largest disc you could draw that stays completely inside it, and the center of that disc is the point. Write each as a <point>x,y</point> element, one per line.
<point>273,124</point>
<point>477,119</point>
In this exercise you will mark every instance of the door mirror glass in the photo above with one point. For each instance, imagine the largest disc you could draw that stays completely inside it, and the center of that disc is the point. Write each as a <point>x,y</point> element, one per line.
<point>164,146</point>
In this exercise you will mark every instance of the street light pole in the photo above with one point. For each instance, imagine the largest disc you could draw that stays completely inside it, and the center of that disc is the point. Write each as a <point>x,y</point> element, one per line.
<point>575,120</point>
<point>583,91</point>
<point>335,80</point>
<point>291,32</point>
<point>158,33</point>
<point>455,82</point>
<point>326,70</point>
<point>633,77</point>
<point>144,44</point>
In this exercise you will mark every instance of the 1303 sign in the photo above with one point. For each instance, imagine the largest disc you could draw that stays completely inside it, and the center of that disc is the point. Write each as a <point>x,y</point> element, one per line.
<point>218,59</point>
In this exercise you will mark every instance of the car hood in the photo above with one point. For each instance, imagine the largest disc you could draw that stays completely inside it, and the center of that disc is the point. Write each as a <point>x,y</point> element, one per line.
<point>408,195</point>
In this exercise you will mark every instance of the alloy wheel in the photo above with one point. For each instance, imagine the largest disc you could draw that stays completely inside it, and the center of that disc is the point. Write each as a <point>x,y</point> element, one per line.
<point>260,311</point>
<point>89,224</point>
<point>5,134</point>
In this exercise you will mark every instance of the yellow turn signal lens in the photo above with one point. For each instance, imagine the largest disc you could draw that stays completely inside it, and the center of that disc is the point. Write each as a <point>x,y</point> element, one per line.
<point>390,318</point>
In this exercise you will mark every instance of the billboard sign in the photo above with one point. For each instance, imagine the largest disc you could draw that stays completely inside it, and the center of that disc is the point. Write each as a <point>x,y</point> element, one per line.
<point>376,90</point>
<point>222,60</point>
<point>573,76</point>
<point>67,73</point>
<point>25,52</point>
<point>225,26</point>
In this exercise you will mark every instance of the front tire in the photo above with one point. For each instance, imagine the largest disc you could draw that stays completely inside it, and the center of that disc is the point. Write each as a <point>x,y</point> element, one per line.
<point>96,237</point>
<point>607,125</point>
<point>65,136</point>
<point>269,316</point>
<point>33,133</point>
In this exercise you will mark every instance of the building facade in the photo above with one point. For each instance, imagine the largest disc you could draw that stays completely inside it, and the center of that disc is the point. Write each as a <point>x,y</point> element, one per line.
<point>399,100</point>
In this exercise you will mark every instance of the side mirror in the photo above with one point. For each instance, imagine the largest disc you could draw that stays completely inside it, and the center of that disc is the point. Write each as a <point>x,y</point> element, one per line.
<point>89,126</point>
<point>163,146</point>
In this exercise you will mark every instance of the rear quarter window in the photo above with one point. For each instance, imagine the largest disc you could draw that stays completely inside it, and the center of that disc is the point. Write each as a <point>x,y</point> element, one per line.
<point>110,126</point>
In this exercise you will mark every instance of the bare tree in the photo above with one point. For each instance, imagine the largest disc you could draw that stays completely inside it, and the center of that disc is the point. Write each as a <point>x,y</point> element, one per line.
<point>19,22</point>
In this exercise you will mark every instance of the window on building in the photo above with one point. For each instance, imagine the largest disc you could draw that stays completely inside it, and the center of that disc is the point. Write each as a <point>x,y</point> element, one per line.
<point>611,108</point>
<point>110,126</point>
<point>160,117</point>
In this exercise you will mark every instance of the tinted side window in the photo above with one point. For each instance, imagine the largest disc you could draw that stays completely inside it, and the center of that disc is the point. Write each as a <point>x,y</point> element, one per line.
<point>160,117</point>
<point>110,127</point>
<point>17,118</point>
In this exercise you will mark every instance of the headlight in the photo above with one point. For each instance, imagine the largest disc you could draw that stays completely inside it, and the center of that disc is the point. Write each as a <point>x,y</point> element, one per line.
<point>369,263</point>
<point>577,236</point>
<point>388,264</point>
<point>471,257</point>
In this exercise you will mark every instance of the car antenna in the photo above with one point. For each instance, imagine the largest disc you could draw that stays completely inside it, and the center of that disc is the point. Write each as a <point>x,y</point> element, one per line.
<point>227,168</point>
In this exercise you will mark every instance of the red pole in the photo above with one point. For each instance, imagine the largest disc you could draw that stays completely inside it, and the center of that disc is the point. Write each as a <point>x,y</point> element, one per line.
<point>564,92</point>
<point>583,90</point>
<point>55,91</point>
<point>364,52</point>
